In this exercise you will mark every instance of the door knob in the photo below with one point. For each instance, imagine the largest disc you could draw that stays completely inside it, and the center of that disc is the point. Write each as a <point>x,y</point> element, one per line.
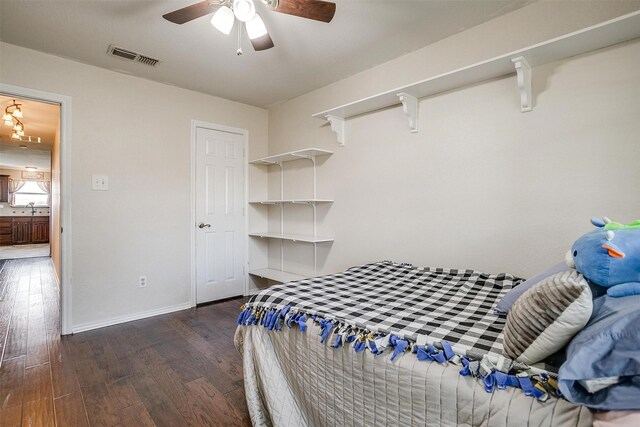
<point>203,225</point>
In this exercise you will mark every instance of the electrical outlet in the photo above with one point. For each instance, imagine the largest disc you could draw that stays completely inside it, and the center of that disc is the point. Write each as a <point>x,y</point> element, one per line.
<point>142,281</point>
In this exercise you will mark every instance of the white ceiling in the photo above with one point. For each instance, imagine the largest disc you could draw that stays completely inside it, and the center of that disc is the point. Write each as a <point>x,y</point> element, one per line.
<point>307,55</point>
<point>40,119</point>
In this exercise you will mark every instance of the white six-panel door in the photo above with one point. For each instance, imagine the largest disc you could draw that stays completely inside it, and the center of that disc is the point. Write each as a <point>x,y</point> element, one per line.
<point>220,224</point>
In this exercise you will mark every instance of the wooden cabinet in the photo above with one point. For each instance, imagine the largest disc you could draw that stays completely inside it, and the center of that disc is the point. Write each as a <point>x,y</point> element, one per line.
<point>40,229</point>
<point>4,188</point>
<point>23,230</point>
<point>6,230</point>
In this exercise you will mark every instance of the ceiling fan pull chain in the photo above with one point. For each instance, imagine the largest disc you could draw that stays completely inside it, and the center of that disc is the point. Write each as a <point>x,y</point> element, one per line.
<point>239,51</point>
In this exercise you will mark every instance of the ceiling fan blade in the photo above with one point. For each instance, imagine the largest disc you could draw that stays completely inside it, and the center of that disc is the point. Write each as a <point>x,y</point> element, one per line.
<point>190,13</point>
<point>317,10</point>
<point>262,43</point>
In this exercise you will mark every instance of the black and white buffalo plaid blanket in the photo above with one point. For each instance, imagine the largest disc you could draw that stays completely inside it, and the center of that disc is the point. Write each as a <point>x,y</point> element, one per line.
<point>416,304</point>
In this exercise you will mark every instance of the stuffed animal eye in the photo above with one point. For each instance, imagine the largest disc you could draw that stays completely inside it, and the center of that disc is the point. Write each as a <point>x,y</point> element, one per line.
<point>575,253</point>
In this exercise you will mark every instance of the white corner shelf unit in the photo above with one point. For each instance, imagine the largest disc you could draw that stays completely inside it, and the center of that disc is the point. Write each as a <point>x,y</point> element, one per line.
<point>281,275</point>
<point>608,33</point>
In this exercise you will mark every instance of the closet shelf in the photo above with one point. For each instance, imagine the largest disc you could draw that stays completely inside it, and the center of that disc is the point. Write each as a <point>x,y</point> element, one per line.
<point>608,33</point>
<point>276,275</point>
<point>293,237</point>
<point>292,201</point>
<point>307,153</point>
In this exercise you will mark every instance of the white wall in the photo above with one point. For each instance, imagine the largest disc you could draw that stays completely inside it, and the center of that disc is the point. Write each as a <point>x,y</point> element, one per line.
<point>138,133</point>
<point>481,185</point>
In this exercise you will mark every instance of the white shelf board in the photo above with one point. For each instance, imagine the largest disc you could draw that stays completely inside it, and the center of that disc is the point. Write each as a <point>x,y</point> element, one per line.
<point>292,155</point>
<point>608,33</point>
<point>276,275</point>
<point>278,202</point>
<point>293,237</point>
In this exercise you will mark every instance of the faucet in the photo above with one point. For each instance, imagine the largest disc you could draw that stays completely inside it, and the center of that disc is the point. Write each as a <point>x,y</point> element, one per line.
<point>33,208</point>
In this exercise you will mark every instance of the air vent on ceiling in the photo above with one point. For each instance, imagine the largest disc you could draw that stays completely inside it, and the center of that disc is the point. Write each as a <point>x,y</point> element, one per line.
<point>132,56</point>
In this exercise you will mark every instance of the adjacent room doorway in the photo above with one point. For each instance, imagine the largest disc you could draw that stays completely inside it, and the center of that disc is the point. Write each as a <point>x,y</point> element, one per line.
<point>219,220</point>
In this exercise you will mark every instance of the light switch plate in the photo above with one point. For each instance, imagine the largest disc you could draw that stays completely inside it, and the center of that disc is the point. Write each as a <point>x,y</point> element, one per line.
<point>99,182</point>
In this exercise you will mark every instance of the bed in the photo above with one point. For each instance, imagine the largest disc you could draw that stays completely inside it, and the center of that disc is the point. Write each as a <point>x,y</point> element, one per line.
<point>390,344</point>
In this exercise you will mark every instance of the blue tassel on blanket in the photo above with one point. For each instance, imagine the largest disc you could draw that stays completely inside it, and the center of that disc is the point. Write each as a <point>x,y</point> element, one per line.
<point>302,323</point>
<point>400,346</point>
<point>289,320</point>
<point>360,346</point>
<point>267,319</point>
<point>448,351</point>
<point>241,317</point>
<point>423,355</point>
<point>338,342</point>
<point>273,320</point>
<point>489,382</point>
<point>284,311</point>
<point>326,326</point>
<point>465,371</point>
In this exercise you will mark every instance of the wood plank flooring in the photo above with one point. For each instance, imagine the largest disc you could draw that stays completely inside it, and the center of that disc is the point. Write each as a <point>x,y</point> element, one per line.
<point>177,369</point>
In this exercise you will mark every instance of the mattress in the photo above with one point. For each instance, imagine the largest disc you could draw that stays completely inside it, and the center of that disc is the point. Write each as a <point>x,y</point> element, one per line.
<point>345,349</point>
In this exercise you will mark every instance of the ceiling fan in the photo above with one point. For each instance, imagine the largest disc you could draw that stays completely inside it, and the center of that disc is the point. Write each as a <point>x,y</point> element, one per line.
<point>225,12</point>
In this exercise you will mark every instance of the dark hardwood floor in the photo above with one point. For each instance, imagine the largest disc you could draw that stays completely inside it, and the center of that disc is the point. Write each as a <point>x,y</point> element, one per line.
<point>173,370</point>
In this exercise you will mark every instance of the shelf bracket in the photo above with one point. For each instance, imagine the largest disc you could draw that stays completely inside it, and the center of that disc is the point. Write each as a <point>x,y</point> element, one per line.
<point>337,125</point>
<point>523,71</point>
<point>410,108</point>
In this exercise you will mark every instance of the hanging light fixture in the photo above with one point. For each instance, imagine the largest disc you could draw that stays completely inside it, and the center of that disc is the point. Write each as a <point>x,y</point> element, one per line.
<point>11,117</point>
<point>18,126</point>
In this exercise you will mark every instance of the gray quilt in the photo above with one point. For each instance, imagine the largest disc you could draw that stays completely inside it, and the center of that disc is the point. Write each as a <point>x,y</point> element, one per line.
<point>291,379</point>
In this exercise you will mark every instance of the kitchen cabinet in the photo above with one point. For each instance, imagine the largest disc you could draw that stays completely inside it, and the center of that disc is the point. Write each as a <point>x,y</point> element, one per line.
<point>6,230</point>
<point>40,229</point>
<point>23,230</point>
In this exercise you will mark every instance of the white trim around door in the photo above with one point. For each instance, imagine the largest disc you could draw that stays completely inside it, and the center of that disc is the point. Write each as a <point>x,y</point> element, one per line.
<point>195,124</point>
<point>65,193</point>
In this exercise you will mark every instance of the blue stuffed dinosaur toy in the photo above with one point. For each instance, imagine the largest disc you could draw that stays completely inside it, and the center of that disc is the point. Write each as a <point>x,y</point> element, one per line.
<point>609,256</point>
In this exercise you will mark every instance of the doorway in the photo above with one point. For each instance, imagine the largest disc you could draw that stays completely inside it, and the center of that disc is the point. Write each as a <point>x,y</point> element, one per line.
<point>219,214</point>
<point>40,197</point>
<point>29,133</point>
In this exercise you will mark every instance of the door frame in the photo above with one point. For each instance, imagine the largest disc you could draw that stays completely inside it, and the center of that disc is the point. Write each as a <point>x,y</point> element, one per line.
<point>195,124</point>
<point>65,193</point>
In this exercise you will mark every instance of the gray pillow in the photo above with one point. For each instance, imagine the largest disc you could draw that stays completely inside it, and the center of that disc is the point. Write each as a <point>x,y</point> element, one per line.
<point>503,307</point>
<point>547,316</point>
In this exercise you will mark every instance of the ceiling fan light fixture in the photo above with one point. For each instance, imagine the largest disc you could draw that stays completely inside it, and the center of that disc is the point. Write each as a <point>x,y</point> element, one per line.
<point>15,135</point>
<point>7,118</point>
<point>256,28</point>
<point>244,10</point>
<point>223,20</point>
<point>17,113</point>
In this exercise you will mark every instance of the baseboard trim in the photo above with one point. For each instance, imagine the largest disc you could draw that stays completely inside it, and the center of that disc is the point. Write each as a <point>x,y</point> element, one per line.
<point>128,318</point>
<point>56,277</point>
